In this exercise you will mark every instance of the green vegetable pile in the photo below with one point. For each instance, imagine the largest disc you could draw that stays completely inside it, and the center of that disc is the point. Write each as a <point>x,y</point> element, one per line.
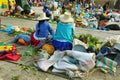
<point>92,41</point>
<point>89,39</point>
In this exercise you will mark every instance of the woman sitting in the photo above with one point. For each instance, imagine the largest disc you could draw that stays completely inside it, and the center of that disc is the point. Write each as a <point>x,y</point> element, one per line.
<point>26,9</point>
<point>43,33</point>
<point>18,9</point>
<point>63,38</point>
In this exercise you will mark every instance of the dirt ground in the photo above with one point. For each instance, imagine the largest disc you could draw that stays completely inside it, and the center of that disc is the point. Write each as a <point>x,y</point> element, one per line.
<point>16,71</point>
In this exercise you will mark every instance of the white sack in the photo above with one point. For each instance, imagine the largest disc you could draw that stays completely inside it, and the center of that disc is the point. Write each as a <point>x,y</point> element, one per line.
<point>44,63</point>
<point>78,42</point>
<point>86,60</point>
<point>64,64</point>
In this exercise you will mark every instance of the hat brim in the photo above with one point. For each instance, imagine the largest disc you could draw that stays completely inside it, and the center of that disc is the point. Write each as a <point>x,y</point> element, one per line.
<point>110,23</point>
<point>63,19</point>
<point>40,19</point>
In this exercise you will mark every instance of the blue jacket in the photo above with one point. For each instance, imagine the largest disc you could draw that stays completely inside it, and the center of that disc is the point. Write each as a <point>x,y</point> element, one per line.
<point>45,29</point>
<point>64,32</point>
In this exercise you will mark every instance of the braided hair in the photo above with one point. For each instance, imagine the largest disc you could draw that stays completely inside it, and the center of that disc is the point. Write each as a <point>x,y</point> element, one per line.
<point>39,25</point>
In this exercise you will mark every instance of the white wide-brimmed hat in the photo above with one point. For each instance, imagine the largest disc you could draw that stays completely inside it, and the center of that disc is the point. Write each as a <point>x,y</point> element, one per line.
<point>111,23</point>
<point>66,17</point>
<point>42,17</point>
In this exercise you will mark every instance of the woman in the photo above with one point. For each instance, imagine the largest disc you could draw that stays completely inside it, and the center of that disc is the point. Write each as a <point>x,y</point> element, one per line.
<point>43,33</point>
<point>26,9</point>
<point>47,11</point>
<point>106,6</point>
<point>17,9</point>
<point>63,38</point>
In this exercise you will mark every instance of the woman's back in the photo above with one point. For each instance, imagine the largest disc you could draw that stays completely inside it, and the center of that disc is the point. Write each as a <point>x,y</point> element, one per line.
<point>43,29</point>
<point>65,31</point>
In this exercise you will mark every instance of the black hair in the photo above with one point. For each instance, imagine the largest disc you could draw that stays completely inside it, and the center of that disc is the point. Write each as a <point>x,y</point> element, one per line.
<point>39,25</point>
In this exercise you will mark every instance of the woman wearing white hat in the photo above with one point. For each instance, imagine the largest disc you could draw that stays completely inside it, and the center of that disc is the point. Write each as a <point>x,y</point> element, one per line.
<point>43,31</point>
<point>63,38</point>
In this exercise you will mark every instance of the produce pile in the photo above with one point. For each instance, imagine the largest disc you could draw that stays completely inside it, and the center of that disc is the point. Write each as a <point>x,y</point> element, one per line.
<point>92,42</point>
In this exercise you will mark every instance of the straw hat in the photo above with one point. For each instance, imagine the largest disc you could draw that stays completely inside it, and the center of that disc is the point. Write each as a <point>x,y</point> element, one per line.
<point>110,23</point>
<point>66,17</point>
<point>42,17</point>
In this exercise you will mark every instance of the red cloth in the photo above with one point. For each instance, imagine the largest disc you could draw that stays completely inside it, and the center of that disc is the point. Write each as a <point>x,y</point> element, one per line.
<point>108,11</point>
<point>9,56</point>
<point>14,57</point>
<point>34,41</point>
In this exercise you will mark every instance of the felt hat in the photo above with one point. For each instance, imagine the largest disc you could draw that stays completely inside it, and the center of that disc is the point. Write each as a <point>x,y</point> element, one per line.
<point>66,17</point>
<point>42,17</point>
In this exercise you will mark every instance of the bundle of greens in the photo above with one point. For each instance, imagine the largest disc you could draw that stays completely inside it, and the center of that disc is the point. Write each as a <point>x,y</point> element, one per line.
<point>91,41</point>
